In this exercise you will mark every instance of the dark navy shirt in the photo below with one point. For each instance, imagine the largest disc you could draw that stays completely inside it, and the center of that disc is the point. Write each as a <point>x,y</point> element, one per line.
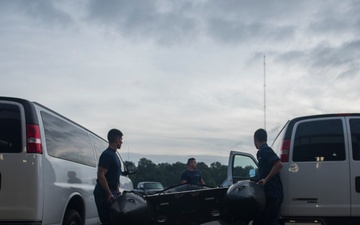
<point>191,177</point>
<point>110,161</point>
<point>266,158</point>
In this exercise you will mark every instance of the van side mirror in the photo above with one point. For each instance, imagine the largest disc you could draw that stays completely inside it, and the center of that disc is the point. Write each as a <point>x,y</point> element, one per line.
<point>252,173</point>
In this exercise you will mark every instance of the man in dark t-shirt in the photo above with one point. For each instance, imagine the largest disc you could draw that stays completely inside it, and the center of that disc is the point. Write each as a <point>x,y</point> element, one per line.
<point>269,167</point>
<point>191,175</point>
<point>107,187</point>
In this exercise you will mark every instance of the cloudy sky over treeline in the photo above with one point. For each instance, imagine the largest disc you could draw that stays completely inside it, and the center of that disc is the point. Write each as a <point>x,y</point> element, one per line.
<point>182,78</point>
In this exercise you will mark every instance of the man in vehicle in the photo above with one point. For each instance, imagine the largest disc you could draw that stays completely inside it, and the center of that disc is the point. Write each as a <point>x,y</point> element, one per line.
<point>191,175</point>
<point>107,187</point>
<point>269,167</point>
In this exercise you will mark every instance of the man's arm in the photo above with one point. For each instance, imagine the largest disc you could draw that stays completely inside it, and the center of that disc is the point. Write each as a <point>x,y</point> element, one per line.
<point>274,170</point>
<point>103,182</point>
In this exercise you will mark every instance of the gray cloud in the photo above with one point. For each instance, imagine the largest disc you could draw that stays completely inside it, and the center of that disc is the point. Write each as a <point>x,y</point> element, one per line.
<point>176,22</point>
<point>324,57</point>
<point>164,22</point>
<point>339,19</point>
<point>180,22</point>
<point>181,76</point>
<point>46,12</point>
<point>346,54</point>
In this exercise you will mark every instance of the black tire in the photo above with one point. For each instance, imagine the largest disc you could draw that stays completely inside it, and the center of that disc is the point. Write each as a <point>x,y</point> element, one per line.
<point>72,217</point>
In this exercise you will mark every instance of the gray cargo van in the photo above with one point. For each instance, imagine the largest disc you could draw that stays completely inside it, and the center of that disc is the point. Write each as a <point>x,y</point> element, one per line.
<point>321,173</point>
<point>48,166</point>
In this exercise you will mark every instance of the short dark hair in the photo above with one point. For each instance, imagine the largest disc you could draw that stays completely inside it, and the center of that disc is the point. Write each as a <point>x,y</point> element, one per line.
<point>113,134</point>
<point>261,135</point>
<point>190,160</point>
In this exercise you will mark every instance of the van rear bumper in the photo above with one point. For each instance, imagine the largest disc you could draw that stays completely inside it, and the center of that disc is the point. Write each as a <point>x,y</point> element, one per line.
<point>302,221</point>
<point>319,221</point>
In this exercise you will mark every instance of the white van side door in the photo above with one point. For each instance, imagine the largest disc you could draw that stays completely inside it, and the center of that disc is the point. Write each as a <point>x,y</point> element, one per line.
<point>354,140</point>
<point>318,169</point>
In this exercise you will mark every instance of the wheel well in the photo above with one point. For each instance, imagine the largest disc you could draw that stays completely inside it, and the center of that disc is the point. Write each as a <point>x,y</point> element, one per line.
<point>77,204</point>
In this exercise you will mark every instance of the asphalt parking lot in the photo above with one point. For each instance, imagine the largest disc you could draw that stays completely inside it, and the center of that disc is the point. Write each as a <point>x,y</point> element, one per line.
<point>211,223</point>
<point>217,223</point>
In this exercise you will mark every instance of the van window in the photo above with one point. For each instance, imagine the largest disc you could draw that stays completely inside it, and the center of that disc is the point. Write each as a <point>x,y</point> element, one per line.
<point>67,141</point>
<point>355,138</point>
<point>10,129</point>
<point>99,145</point>
<point>321,140</point>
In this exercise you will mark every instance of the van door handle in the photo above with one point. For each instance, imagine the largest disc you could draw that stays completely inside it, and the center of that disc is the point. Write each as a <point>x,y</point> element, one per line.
<point>308,200</point>
<point>357,184</point>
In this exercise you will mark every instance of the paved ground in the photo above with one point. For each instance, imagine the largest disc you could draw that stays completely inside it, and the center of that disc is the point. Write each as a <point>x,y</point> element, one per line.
<point>217,223</point>
<point>211,223</point>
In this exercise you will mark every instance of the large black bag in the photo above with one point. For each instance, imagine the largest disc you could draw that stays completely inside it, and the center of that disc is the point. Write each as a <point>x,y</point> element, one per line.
<point>187,204</point>
<point>130,209</point>
<point>245,200</point>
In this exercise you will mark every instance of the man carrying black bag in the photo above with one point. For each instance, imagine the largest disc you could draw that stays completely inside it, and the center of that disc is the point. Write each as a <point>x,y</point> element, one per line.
<point>269,168</point>
<point>107,187</point>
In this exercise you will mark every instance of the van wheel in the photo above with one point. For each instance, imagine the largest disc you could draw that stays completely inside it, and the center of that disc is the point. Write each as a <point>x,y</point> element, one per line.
<point>72,217</point>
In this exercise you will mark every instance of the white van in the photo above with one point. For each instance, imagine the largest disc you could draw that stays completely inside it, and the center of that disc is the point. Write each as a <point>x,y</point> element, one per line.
<point>48,166</point>
<point>321,173</point>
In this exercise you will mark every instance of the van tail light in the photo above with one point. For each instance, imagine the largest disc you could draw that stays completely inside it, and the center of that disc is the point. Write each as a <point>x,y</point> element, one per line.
<point>33,139</point>
<point>285,149</point>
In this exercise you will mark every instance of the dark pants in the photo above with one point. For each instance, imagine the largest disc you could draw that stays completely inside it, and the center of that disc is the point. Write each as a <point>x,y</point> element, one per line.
<point>271,213</point>
<point>103,205</point>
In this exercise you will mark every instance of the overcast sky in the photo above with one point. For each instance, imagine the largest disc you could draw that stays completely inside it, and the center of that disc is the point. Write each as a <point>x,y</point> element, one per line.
<point>182,78</point>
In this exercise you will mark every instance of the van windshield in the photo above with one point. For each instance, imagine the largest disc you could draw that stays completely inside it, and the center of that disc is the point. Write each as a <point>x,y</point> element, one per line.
<point>10,129</point>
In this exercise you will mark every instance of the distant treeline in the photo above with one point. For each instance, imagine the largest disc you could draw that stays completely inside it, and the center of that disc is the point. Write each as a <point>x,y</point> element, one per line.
<point>169,174</point>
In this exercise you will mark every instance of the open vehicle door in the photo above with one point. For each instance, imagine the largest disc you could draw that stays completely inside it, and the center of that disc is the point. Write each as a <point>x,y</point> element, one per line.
<point>241,166</point>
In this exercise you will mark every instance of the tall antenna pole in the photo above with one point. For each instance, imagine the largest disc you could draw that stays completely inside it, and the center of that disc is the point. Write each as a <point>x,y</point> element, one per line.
<point>264,93</point>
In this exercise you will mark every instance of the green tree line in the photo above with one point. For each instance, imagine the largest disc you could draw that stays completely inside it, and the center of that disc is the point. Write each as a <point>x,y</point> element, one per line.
<point>169,174</point>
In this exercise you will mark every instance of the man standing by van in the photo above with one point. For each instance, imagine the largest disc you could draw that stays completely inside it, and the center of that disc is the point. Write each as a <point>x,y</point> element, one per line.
<point>107,187</point>
<point>269,167</point>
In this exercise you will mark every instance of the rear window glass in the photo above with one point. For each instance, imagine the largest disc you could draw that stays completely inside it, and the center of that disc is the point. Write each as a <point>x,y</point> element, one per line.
<point>67,141</point>
<point>153,186</point>
<point>10,129</point>
<point>321,140</point>
<point>355,138</point>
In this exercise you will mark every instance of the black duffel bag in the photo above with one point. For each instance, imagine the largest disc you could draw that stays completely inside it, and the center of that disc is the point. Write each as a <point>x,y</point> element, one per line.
<point>245,200</point>
<point>130,209</point>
